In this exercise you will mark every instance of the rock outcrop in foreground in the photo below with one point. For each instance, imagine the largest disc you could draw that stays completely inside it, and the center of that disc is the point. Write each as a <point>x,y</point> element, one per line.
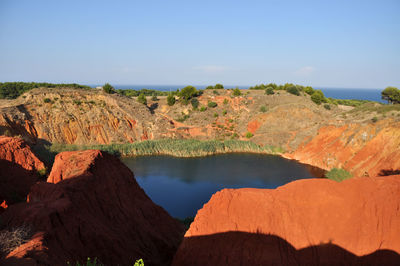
<point>92,206</point>
<point>18,170</point>
<point>306,222</point>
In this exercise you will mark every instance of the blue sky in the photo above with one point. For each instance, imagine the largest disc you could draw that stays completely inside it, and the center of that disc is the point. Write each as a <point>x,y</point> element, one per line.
<point>350,44</point>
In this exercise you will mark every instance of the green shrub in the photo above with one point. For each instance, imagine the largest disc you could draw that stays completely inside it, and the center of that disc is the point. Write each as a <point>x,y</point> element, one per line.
<point>215,115</point>
<point>210,87</point>
<point>226,101</point>
<point>327,106</point>
<point>142,99</point>
<point>338,175</point>
<point>309,90</point>
<point>318,97</point>
<point>215,92</point>
<point>77,102</point>
<point>269,91</point>
<point>195,103</point>
<point>249,135</point>
<point>391,94</point>
<point>236,92</point>
<point>171,99</point>
<point>218,86</point>
<point>107,88</point>
<point>374,119</point>
<point>46,100</point>
<point>293,90</point>
<point>182,118</point>
<point>154,98</point>
<point>11,90</point>
<point>212,104</point>
<point>224,112</point>
<point>187,93</point>
<point>42,172</point>
<point>139,262</point>
<point>235,136</point>
<point>203,108</point>
<point>263,108</point>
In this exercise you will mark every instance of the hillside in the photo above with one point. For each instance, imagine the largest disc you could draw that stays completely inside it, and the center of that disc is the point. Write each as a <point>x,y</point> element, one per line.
<point>284,120</point>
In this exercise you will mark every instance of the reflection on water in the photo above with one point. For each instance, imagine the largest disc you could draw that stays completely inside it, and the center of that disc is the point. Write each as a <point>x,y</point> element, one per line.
<point>183,185</point>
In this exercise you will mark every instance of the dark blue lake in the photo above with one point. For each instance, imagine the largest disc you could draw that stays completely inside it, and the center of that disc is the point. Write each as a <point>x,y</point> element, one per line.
<point>182,185</point>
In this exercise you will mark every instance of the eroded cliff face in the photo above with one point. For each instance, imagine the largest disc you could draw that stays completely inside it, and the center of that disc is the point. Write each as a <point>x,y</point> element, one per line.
<point>91,206</point>
<point>19,169</point>
<point>364,150</point>
<point>306,222</point>
<point>79,117</point>
<point>307,132</point>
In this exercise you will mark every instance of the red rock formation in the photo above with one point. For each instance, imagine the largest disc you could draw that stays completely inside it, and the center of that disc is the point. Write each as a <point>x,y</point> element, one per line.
<point>366,150</point>
<point>18,169</point>
<point>306,222</point>
<point>92,207</point>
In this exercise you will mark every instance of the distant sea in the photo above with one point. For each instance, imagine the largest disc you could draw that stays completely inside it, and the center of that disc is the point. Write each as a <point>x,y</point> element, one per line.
<point>338,93</point>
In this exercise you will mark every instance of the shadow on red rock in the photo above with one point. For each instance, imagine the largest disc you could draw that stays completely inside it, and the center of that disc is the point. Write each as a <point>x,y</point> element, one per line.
<point>386,172</point>
<point>15,181</point>
<point>242,248</point>
<point>94,208</point>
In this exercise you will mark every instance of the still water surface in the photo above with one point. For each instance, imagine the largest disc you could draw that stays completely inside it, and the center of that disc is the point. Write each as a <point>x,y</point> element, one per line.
<point>182,185</point>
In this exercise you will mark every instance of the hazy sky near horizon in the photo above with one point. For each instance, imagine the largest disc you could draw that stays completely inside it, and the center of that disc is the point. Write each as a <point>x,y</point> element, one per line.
<point>350,44</point>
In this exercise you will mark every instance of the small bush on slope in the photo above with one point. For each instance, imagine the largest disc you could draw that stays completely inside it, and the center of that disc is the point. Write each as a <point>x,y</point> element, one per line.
<point>338,175</point>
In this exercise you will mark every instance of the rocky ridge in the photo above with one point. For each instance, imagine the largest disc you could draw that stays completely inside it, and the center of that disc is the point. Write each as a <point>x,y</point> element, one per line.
<point>91,206</point>
<point>305,222</point>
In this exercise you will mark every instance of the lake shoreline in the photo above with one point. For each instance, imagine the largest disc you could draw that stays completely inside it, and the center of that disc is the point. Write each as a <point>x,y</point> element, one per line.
<point>179,148</point>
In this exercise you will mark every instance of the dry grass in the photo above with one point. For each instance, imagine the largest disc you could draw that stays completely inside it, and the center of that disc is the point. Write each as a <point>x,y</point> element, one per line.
<point>11,239</point>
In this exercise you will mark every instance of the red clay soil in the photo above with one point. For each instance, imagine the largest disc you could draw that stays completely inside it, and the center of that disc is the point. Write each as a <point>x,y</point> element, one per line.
<point>306,222</point>
<point>94,208</point>
<point>362,150</point>
<point>18,170</point>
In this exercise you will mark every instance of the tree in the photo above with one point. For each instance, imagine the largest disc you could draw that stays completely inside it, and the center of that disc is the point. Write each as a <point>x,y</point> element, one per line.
<point>195,103</point>
<point>236,92</point>
<point>210,87</point>
<point>293,90</point>
<point>107,88</point>
<point>218,86</point>
<point>142,99</point>
<point>187,93</point>
<point>318,97</point>
<point>391,94</point>
<point>269,91</point>
<point>171,99</point>
<point>309,90</point>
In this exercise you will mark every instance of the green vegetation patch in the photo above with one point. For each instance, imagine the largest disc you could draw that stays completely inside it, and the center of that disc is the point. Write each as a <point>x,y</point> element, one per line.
<point>142,99</point>
<point>350,102</point>
<point>11,90</point>
<point>174,147</point>
<point>107,88</point>
<point>212,104</point>
<point>376,107</point>
<point>338,174</point>
<point>171,99</point>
